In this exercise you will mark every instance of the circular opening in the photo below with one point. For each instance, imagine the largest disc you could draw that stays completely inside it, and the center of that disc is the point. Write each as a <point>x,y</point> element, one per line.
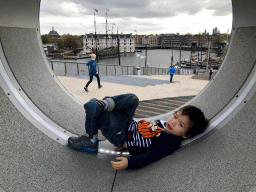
<point>162,30</point>
<point>155,41</point>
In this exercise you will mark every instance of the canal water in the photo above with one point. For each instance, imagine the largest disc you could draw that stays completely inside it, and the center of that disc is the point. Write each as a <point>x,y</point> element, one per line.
<point>155,58</point>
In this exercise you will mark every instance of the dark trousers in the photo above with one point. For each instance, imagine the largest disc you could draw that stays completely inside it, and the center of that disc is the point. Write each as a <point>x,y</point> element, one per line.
<point>112,124</point>
<point>91,78</point>
<point>171,78</point>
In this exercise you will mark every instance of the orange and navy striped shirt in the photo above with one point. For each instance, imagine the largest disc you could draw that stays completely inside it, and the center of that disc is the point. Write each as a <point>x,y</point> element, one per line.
<point>149,142</point>
<point>140,133</point>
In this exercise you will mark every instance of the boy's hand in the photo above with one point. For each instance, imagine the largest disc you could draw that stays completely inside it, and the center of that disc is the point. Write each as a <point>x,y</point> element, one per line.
<point>122,164</point>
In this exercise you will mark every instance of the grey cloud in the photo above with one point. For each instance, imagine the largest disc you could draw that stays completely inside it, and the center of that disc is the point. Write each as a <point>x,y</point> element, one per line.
<point>52,8</point>
<point>142,8</point>
<point>221,8</point>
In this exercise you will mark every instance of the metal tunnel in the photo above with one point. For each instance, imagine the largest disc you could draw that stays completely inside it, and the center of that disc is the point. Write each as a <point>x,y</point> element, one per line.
<point>37,115</point>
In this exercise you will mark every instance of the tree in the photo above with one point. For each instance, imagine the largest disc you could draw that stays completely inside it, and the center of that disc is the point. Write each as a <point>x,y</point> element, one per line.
<point>45,39</point>
<point>224,51</point>
<point>70,42</point>
<point>60,43</point>
<point>197,35</point>
<point>78,38</point>
<point>220,38</point>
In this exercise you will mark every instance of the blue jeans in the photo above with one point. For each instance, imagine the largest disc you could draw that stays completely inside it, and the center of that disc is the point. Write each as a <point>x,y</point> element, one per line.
<point>112,123</point>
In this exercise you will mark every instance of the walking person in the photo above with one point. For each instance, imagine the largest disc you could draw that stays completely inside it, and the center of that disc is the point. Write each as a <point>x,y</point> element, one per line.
<point>92,72</point>
<point>210,74</point>
<point>171,71</point>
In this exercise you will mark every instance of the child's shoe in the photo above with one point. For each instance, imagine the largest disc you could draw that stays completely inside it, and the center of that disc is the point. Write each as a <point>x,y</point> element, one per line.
<point>86,89</point>
<point>83,143</point>
<point>100,86</point>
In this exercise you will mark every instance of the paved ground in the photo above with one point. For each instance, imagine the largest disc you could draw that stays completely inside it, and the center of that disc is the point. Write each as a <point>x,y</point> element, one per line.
<point>129,80</point>
<point>147,108</point>
<point>169,96</point>
<point>144,86</point>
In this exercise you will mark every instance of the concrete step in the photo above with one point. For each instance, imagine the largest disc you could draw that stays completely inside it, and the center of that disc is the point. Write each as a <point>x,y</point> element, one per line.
<point>154,107</point>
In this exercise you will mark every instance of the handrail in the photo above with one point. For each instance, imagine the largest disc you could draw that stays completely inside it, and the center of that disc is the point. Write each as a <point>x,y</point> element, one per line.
<point>110,69</point>
<point>129,70</point>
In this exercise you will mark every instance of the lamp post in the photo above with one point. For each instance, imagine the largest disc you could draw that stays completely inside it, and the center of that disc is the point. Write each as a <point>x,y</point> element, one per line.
<point>201,52</point>
<point>106,28</point>
<point>172,53</point>
<point>190,54</point>
<point>146,52</point>
<point>208,55</point>
<point>198,48</point>
<point>118,48</point>
<point>227,35</point>
<point>180,53</point>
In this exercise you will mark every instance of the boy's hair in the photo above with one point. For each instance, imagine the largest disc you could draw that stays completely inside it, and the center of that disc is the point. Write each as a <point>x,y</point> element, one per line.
<point>93,55</point>
<point>198,119</point>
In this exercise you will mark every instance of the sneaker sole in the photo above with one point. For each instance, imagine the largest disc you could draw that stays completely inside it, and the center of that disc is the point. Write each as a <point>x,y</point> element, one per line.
<point>88,150</point>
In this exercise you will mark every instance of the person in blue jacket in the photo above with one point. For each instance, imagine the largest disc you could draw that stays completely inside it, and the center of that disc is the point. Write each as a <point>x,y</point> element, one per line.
<point>171,71</point>
<point>146,141</point>
<point>92,72</point>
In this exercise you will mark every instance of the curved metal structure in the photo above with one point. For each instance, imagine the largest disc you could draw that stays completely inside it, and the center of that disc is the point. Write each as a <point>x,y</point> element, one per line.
<point>38,115</point>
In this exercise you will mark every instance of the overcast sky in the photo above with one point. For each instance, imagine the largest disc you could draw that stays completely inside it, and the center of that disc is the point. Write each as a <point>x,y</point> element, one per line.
<point>76,17</point>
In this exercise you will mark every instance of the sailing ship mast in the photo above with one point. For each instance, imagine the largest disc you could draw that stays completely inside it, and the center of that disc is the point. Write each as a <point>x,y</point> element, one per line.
<point>107,28</point>
<point>95,10</point>
<point>208,54</point>
<point>95,21</point>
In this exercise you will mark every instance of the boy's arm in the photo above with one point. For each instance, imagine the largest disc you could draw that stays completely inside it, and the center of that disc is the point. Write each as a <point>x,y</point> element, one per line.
<point>153,154</point>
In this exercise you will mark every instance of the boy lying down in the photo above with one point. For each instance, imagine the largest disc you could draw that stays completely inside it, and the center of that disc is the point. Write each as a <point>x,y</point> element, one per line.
<point>146,141</point>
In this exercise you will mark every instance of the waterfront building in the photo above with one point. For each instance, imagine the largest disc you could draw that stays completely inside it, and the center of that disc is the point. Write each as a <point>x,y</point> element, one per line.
<point>54,33</point>
<point>150,40</point>
<point>193,40</point>
<point>138,39</point>
<point>101,41</point>
<point>173,40</point>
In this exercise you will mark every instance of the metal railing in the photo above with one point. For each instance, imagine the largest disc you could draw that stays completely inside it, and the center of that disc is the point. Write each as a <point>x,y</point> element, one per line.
<point>66,68</point>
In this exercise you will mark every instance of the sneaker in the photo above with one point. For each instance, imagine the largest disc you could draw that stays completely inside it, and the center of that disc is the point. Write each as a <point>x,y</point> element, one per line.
<point>86,89</point>
<point>83,143</point>
<point>100,86</point>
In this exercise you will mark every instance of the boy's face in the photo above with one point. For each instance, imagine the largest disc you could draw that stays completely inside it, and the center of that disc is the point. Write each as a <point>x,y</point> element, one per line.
<point>178,124</point>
